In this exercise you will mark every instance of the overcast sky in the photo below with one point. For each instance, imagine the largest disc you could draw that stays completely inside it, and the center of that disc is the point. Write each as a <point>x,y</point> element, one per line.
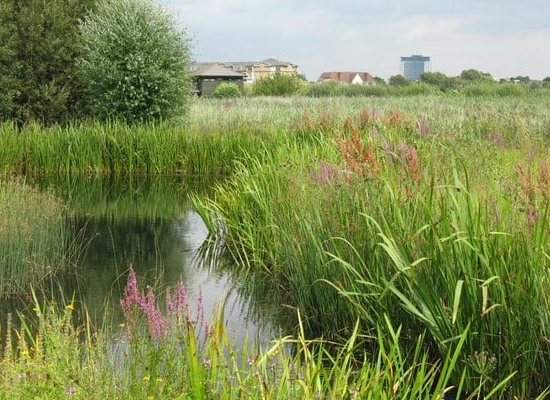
<point>503,37</point>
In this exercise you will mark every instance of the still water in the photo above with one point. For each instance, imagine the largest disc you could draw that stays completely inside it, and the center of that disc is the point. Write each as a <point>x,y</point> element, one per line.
<point>148,224</point>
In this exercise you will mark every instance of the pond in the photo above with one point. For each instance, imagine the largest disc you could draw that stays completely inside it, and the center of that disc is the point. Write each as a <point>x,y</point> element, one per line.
<point>148,224</point>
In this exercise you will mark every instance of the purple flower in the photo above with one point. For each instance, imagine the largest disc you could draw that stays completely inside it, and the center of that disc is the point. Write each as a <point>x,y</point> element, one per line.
<point>423,127</point>
<point>327,173</point>
<point>131,294</point>
<point>70,390</point>
<point>155,321</point>
<point>373,113</point>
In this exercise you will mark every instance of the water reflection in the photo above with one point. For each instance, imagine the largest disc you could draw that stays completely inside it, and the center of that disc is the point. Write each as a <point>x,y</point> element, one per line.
<point>148,224</point>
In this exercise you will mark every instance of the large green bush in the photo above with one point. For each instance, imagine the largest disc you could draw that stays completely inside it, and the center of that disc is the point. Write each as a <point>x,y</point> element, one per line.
<point>277,85</point>
<point>227,90</point>
<point>135,61</point>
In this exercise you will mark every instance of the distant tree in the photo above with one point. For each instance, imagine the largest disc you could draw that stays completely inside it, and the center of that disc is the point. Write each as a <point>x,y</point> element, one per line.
<point>135,61</point>
<point>227,90</point>
<point>547,79</point>
<point>398,80</point>
<point>277,85</point>
<point>379,81</point>
<point>38,49</point>
<point>434,78</point>
<point>473,75</point>
<point>522,79</point>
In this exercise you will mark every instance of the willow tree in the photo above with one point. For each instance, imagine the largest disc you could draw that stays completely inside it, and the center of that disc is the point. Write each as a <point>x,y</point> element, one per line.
<point>135,61</point>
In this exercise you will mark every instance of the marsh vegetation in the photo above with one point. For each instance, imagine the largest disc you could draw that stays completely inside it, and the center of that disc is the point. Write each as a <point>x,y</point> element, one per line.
<point>404,241</point>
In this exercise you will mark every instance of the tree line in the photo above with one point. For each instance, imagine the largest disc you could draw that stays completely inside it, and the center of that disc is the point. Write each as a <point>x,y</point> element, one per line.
<point>466,77</point>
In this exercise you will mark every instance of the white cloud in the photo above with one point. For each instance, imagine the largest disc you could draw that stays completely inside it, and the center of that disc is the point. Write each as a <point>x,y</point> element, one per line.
<point>428,27</point>
<point>503,38</point>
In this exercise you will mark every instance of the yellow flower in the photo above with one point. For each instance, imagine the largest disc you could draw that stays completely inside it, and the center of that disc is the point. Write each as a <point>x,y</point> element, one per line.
<point>69,306</point>
<point>150,397</point>
<point>159,380</point>
<point>122,325</point>
<point>146,378</point>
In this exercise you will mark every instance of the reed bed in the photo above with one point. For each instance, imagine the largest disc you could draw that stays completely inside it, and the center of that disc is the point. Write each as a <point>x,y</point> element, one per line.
<point>407,232</point>
<point>33,240</point>
<point>217,133</point>
<point>394,215</point>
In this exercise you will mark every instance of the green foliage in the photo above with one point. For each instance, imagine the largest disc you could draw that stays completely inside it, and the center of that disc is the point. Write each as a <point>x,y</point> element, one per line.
<point>278,84</point>
<point>511,89</point>
<point>398,80</point>
<point>227,90</point>
<point>433,78</point>
<point>50,354</point>
<point>475,76</point>
<point>33,238</point>
<point>480,89</point>
<point>386,219</point>
<point>323,89</point>
<point>134,62</point>
<point>38,48</point>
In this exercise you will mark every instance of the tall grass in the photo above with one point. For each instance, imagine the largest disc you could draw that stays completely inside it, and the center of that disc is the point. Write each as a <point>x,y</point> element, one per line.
<point>383,219</point>
<point>220,132</point>
<point>33,240</point>
<point>168,352</point>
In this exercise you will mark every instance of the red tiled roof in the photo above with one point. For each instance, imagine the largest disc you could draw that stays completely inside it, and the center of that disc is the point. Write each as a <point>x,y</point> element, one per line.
<point>346,77</point>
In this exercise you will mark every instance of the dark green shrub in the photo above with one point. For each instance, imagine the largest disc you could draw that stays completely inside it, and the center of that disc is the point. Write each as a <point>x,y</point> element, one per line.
<point>227,90</point>
<point>398,80</point>
<point>135,61</point>
<point>38,51</point>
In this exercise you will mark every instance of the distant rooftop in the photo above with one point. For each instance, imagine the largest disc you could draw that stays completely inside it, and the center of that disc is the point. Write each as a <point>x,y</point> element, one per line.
<point>416,57</point>
<point>215,69</point>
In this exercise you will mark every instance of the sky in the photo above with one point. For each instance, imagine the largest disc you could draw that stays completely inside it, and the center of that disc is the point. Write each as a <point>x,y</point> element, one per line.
<point>506,38</point>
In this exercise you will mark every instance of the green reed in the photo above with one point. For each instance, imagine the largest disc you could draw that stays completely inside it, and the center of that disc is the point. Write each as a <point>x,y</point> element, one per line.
<point>381,219</point>
<point>34,244</point>
<point>57,358</point>
<point>216,133</point>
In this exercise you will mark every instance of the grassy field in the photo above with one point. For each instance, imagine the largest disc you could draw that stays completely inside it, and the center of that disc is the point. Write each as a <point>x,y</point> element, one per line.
<point>410,233</point>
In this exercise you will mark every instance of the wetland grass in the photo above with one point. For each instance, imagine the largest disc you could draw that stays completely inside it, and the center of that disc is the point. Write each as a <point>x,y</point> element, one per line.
<point>385,220</point>
<point>33,240</point>
<point>165,350</point>
<point>411,231</point>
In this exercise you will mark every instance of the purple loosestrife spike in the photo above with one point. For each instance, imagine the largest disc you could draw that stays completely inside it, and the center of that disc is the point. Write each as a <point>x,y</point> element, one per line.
<point>181,298</point>
<point>170,304</point>
<point>373,113</point>
<point>328,173</point>
<point>131,295</point>
<point>155,321</point>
